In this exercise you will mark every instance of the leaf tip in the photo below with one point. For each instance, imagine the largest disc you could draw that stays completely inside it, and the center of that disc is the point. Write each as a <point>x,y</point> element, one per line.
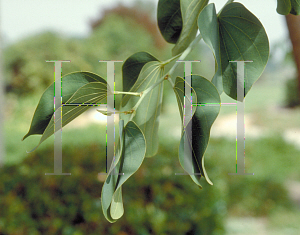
<point>25,136</point>
<point>33,149</point>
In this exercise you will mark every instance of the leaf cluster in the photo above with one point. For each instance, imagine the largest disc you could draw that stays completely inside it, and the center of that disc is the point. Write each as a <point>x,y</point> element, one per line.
<point>233,34</point>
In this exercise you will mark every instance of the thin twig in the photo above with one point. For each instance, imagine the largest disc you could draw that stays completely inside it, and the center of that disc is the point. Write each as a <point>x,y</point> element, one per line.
<point>127,93</point>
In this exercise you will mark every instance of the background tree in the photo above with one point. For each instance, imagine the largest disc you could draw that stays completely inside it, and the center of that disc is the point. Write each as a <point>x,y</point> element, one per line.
<point>156,201</point>
<point>293,25</point>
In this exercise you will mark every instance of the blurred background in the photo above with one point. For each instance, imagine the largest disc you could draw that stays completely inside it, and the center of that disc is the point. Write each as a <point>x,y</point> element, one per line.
<point>155,200</point>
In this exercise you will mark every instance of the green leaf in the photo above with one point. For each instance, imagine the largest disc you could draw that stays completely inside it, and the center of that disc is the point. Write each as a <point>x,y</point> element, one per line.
<point>295,8</point>
<point>241,37</point>
<point>179,90</point>
<point>116,208</point>
<point>209,29</point>
<point>132,68</point>
<point>190,10</point>
<point>169,19</point>
<point>201,122</point>
<point>284,7</point>
<point>147,114</point>
<point>79,87</point>
<point>129,157</point>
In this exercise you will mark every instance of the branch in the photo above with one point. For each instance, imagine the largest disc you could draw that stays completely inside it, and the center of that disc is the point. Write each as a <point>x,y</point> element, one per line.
<point>185,53</point>
<point>181,56</point>
<point>144,93</point>
<point>128,93</point>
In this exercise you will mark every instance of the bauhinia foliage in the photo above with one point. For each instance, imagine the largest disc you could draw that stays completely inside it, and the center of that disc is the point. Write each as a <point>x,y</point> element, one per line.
<point>233,34</point>
<point>284,7</point>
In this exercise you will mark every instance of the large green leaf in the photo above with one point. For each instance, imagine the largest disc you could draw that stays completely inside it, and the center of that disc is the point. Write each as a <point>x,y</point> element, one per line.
<point>201,122</point>
<point>133,66</point>
<point>147,114</point>
<point>190,10</point>
<point>241,37</point>
<point>78,87</point>
<point>169,19</point>
<point>129,157</point>
<point>284,7</point>
<point>209,29</point>
<point>295,7</point>
<point>179,90</point>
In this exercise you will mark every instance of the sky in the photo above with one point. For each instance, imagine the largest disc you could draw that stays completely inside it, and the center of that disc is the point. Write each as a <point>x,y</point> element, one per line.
<point>22,18</point>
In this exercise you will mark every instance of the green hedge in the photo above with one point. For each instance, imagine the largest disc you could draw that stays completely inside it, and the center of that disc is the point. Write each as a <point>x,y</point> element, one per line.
<point>292,96</point>
<point>156,201</point>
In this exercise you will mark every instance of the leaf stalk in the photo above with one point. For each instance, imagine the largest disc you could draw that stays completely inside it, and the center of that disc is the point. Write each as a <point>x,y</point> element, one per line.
<point>168,76</point>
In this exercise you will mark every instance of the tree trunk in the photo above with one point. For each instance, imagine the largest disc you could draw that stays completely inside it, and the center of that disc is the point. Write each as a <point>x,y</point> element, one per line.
<point>293,24</point>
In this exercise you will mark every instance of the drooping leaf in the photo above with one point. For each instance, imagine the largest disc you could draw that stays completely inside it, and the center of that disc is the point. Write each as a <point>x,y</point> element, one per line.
<point>169,19</point>
<point>116,208</point>
<point>190,10</point>
<point>241,38</point>
<point>192,157</point>
<point>79,87</point>
<point>129,157</point>
<point>179,90</point>
<point>295,7</point>
<point>133,66</point>
<point>147,114</point>
<point>110,183</point>
<point>284,7</point>
<point>209,29</point>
